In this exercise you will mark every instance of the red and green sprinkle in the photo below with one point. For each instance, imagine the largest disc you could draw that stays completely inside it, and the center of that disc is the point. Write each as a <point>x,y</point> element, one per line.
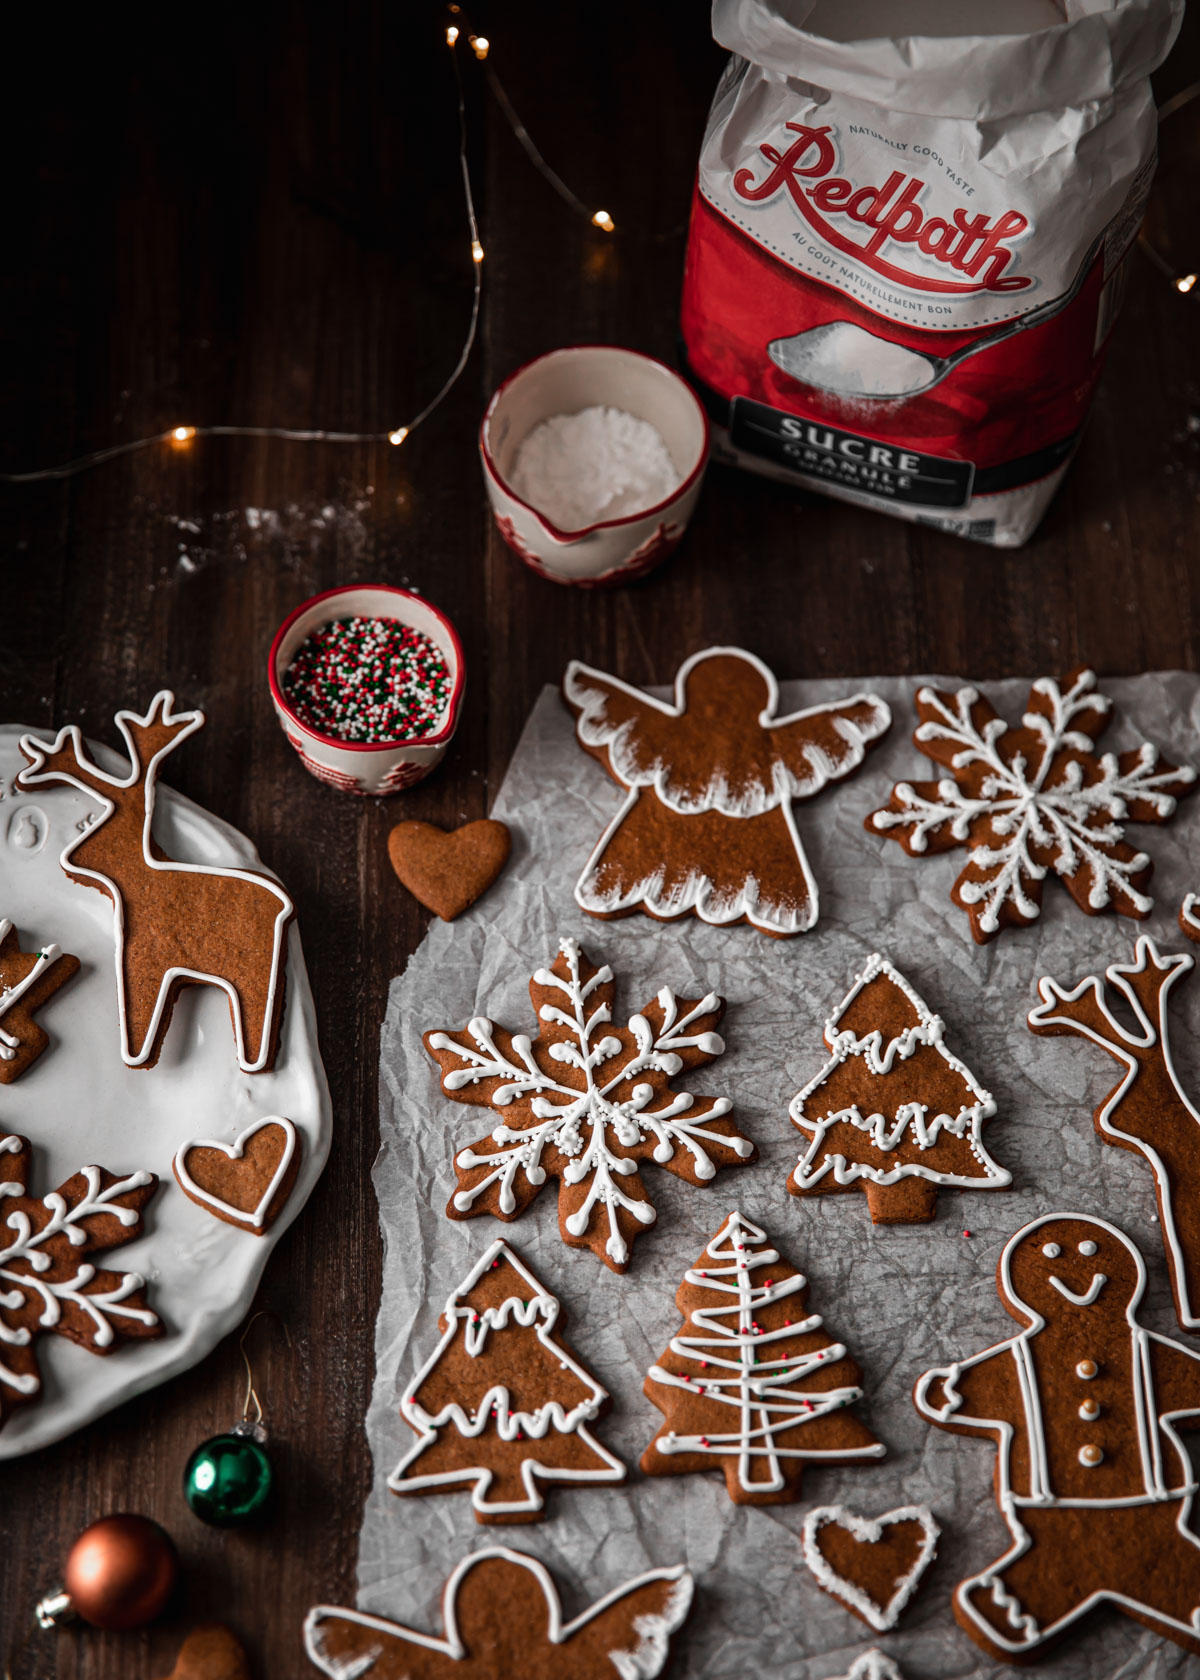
<point>368,680</point>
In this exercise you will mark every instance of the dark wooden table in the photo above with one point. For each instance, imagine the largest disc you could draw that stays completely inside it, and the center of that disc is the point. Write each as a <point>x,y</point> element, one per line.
<point>257,216</point>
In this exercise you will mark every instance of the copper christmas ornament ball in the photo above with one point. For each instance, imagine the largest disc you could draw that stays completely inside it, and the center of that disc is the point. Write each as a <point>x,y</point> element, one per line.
<point>120,1572</point>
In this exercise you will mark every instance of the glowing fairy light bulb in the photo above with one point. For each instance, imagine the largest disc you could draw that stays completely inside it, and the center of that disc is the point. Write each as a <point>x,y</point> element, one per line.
<point>602,219</point>
<point>398,436</point>
<point>183,434</point>
<point>476,251</point>
<point>1186,282</point>
<point>481,44</point>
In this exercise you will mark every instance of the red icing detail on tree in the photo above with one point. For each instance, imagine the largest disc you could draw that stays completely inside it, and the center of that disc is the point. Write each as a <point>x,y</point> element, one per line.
<point>1148,1112</point>
<point>502,1405</point>
<point>47,1281</point>
<point>587,1102</point>
<point>892,1113</point>
<point>1028,800</point>
<point>752,1385</point>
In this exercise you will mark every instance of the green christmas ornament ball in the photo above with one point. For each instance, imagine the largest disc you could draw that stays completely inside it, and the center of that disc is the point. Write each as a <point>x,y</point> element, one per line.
<point>228,1479</point>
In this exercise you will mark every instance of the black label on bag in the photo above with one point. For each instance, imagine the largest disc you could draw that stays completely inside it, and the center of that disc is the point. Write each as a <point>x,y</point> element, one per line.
<point>815,449</point>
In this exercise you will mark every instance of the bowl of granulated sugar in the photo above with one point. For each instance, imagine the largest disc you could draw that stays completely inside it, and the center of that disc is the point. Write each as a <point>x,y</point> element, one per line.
<point>593,458</point>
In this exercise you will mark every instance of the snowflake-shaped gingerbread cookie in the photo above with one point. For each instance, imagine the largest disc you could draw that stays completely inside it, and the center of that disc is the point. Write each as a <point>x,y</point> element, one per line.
<point>1031,799</point>
<point>47,1283</point>
<point>586,1102</point>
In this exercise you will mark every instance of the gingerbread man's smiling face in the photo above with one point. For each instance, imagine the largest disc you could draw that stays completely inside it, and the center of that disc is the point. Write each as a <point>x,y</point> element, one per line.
<point>1070,1264</point>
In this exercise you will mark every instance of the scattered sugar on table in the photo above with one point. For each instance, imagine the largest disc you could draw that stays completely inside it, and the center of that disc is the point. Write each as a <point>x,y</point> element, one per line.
<point>601,463</point>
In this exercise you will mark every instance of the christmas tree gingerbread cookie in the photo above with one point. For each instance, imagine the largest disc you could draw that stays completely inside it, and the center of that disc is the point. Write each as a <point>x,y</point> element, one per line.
<point>503,1618</point>
<point>1032,799</point>
<point>501,1405</point>
<point>892,1112</point>
<point>752,1385</point>
<point>1092,1479</point>
<point>1148,1111</point>
<point>47,1279</point>
<point>27,980</point>
<point>587,1102</point>
<point>707,826</point>
<point>174,924</point>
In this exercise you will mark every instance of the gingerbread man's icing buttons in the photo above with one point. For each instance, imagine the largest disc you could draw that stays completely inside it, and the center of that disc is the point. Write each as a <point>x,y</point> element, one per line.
<point>1091,1456</point>
<point>1051,1251</point>
<point>1089,1411</point>
<point>1087,1369</point>
<point>1088,1248</point>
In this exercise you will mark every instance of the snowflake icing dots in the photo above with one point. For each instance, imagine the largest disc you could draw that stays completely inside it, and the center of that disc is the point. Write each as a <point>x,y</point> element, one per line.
<point>586,1103</point>
<point>1030,799</point>
<point>45,1281</point>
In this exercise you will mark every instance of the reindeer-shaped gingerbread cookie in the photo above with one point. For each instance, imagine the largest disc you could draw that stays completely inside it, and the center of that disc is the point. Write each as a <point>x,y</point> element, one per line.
<point>1091,1477</point>
<point>175,924</point>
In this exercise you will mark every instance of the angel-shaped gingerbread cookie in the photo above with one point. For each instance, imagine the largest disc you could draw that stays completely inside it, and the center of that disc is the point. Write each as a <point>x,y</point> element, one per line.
<point>1092,1477</point>
<point>707,824</point>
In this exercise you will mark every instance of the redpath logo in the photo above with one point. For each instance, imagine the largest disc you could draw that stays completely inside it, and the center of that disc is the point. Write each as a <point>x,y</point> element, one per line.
<point>972,243</point>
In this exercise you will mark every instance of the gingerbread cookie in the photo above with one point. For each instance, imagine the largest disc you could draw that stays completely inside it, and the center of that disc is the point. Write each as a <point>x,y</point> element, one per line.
<point>873,1665</point>
<point>1091,1478</point>
<point>175,924</point>
<point>502,1617</point>
<point>1148,1111</point>
<point>1189,916</point>
<point>502,1405</point>
<point>707,825</point>
<point>27,980</point>
<point>448,872</point>
<point>587,1102</point>
<point>247,1182</point>
<point>872,1564</point>
<point>752,1385</point>
<point>892,1112</point>
<point>1032,799</point>
<point>47,1279</point>
<point>212,1652</point>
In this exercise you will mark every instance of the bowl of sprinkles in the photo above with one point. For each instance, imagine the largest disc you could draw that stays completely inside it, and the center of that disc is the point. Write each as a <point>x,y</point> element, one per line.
<point>367,682</point>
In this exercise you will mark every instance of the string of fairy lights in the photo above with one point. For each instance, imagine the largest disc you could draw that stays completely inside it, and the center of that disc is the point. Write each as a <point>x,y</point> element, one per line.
<point>179,437</point>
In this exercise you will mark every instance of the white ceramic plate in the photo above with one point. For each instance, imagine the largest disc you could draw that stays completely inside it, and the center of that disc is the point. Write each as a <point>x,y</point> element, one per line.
<point>80,1104</point>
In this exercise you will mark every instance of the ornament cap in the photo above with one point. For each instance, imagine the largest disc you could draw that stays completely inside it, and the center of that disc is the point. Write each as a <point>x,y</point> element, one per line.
<point>55,1610</point>
<point>251,1431</point>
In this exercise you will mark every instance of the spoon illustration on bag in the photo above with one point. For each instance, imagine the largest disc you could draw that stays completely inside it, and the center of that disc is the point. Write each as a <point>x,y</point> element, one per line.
<point>850,361</point>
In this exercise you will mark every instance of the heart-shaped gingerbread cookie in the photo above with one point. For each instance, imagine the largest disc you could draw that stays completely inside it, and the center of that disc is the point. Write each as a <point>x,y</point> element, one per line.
<point>447,872</point>
<point>246,1182</point>
<point>211,1653</point>
<point>872,1564</point>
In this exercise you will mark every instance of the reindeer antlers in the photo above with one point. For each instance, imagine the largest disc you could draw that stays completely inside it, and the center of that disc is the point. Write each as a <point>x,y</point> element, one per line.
<point>147,738</point>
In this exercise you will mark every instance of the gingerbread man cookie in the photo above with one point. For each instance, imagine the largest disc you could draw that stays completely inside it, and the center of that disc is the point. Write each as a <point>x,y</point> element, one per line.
<point>174,924</point>
<point>707,826</point>
<point>587,1102</point>
<point>1032,799</point>
<point>1092,1479</point>
<point>501,1405</point>
<point>27,980</point>
<point>502,1617</point>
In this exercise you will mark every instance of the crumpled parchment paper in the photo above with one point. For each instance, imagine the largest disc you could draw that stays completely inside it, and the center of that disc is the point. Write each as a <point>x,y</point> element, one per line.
<point>902,1298</point>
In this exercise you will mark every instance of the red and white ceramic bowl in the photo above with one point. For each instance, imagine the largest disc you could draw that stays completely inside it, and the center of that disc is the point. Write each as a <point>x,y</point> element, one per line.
<point>563,382</point>
<point>362,767</point>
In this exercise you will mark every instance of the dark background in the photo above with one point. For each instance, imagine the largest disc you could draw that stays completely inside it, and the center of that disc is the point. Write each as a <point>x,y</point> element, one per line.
<point>257,217</point>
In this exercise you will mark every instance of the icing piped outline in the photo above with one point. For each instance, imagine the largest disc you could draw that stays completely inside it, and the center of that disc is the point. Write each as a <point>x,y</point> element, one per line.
<point>252,1221</point>
<point>869,1530</point>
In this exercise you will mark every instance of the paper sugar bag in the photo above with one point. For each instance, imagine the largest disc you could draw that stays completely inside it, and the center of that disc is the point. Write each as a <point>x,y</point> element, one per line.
<point>908,242</point>
<point>901,1298</point>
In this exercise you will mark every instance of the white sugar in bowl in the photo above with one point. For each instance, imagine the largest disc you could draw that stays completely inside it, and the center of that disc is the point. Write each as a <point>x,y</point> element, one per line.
<point>563,382</point>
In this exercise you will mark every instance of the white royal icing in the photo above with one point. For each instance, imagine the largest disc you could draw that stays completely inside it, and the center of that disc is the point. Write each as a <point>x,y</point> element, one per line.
<point>255,1219</point>
<point>642,1661</point>
<point>912,1121</point>
<point>71,739</point>
<point>495,1407</point>
<point>9,1045</point>
<point>585,688</point>
<point>764,1396</point>
<point>24,1248</point>
<point>869,1530</point>
<point>873,1665</point>
<point>578,1122</point>
<point>1160,1484</point>
<point>1079,821</point>
<point>1072,1012</point>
